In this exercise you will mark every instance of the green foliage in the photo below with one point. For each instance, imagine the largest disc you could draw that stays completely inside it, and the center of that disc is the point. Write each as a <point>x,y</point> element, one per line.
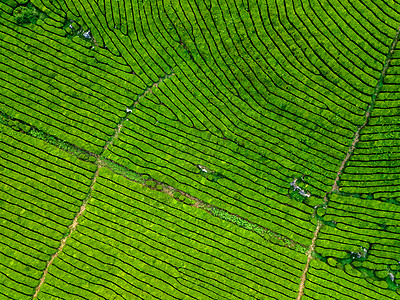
<point>121,170</point>
<point>391,200</point>
<point>176,195</point>
<point>301,248</point>
<point>189,201</point>
<point>151,183</point>
<point>274,237</point>
<point>330,223</point>
<point>26,14</point>
<point>362,252</point>
<point>297,190</point>
<point>3,118</point>
<point>26,128</point>
<point>234,219</point>
<point>353,265</point>
<point>37,211</point>
<point>251,92</point>
<point>214,176</point>
<point>63,145</point>
<point>18,126</point>
<point>169,241</point>
<point>360,283</point>
<point>319,256</point>
<point>210,174</point>
<point>296,196</point>
<point>74,30</point>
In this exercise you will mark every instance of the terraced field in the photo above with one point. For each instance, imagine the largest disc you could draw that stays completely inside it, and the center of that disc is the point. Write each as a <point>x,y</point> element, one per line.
<point>199,149</point>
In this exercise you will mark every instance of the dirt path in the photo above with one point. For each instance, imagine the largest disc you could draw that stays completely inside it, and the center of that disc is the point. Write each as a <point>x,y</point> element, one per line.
<point>352,147</point>
<point>82,209</point>
<point>356,139</point>
<point>369,109</point>
<point>130,109</point>
<point>309,258</point>
<point>72,228</point>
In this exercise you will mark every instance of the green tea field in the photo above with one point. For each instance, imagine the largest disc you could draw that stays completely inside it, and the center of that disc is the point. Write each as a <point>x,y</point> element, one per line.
<point>199,149</point>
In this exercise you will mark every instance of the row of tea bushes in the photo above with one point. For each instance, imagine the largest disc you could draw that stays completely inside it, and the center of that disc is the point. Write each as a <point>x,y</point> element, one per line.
<point>136,242</point>
<point>41,190</point>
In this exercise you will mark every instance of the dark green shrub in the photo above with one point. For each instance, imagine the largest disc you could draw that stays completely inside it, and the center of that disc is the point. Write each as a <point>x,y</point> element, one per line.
<point>3,118</point>
<point>63,145</point>
<point>151,183</point>
<point>83,156</point>
<point>50,139</point>
<point>301,249</point>
<point>391,200</point>
<point>296,196</point>
<point>27,14</point>
<point>189,201</point>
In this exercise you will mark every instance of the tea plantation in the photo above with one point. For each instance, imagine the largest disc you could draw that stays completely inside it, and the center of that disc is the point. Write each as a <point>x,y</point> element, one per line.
<point>214,149</point>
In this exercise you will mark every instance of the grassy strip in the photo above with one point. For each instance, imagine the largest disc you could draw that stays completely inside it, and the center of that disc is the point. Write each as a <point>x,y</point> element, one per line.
<point>28,129</point>
<point>151,183</point>
<point>273,237</point>
<point>188,199</point>
<point>120,170</point>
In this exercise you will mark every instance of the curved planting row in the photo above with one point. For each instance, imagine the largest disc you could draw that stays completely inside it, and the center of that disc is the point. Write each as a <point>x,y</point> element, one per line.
<point>303,88</point>
<point>327,282</point>
<point>242,189</point>
<point>296,115</point>
<point>362,240</point>
<point>374,169</point>
<point>135,242</point>
<point>41,190</point>
<point>71,90</point>
<point>145,63</point>
<point>257,120</point>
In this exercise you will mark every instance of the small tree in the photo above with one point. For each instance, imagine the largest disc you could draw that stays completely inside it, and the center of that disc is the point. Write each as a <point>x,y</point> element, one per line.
<point>27,14</point>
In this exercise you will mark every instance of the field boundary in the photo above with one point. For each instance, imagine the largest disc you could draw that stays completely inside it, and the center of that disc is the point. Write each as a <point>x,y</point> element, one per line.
<point>100,161</point>
<point>309,258</point>
<point>130,109</point>
<point>356,138</point>
<point>71,228</point>
<point>154,184</point>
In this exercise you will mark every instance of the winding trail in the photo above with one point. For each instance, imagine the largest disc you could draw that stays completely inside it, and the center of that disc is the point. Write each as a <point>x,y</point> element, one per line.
<point>309,258</point>
<point>71,228</point>
<point>356,139</point>
<point>100,163</point>
<point>132,107</point>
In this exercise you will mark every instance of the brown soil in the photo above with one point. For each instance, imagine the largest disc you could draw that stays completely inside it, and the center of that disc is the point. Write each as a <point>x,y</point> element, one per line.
<point>309,258</point>
<point>72,228</point>
<point>335,187</point>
